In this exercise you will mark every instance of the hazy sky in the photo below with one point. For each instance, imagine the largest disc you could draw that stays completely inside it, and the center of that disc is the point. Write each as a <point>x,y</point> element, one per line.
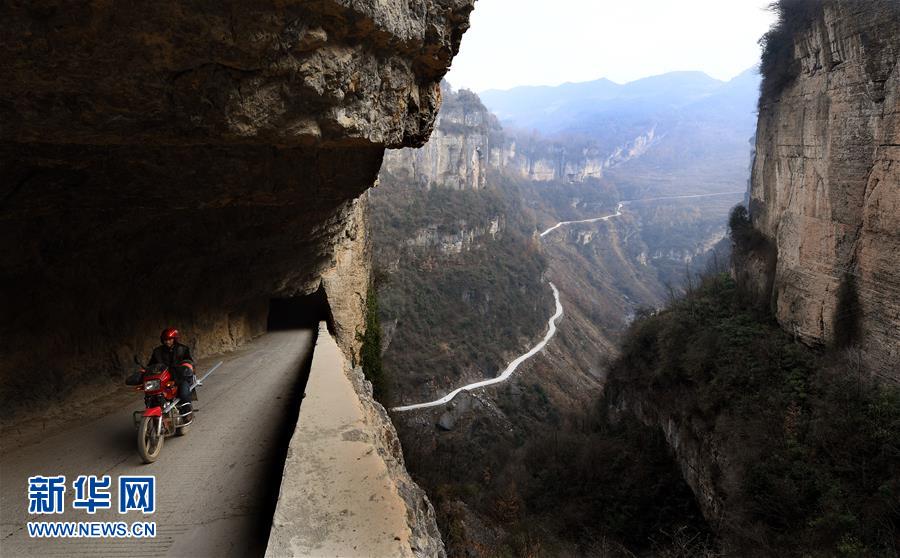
<point>548,42</point>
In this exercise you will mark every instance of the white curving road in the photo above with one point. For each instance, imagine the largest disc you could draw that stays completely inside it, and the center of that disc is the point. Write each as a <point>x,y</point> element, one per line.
<point>551,324</point>
<point>594,220</point>
<point>551,331</point>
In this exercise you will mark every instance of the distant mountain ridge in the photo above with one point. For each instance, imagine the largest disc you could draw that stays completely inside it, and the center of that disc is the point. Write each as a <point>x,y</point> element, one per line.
<point>697,130</point>
<point>551,109</point>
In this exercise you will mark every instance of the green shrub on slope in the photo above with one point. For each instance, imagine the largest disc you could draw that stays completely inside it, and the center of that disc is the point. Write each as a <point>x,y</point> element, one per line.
<point>370,352</point>
<point>814,444</point>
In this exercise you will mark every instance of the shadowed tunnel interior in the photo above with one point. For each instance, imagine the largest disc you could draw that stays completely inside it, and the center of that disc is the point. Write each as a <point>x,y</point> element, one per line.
<point>300,312</point>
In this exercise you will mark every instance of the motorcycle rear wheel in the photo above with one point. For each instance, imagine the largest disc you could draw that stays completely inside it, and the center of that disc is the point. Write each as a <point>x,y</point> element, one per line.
<point>149,444</point>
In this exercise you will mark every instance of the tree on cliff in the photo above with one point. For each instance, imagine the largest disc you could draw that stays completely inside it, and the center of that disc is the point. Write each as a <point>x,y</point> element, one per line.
<point>777,63</point>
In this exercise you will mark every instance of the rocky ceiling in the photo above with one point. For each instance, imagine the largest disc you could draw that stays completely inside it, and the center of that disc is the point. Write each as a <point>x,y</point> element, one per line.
<point>182,163</point>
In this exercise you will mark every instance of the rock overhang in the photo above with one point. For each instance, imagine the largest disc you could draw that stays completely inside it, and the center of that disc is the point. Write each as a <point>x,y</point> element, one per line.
<point>284,74</point>
<point>184,163</point>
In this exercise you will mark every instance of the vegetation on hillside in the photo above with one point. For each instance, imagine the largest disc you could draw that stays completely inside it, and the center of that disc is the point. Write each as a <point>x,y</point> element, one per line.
<point>613,480</point>
<point>814,445</point>
<point>567,201</point>
<point>777,63</point>
<point>755,259</point>
<point>745,236</point>
<point>515,472</point>
<point>370,351</point>
<point>570,483</point>
<point>460,313</point>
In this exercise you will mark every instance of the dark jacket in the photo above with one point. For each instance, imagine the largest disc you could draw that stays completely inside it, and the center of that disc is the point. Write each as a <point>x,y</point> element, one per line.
<point>176,356</point>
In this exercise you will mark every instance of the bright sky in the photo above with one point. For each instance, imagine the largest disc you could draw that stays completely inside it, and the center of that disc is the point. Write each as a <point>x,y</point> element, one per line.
<point>548,42</point>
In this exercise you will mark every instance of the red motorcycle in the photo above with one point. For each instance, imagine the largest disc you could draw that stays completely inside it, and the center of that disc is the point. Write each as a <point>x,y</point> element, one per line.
<point>162,417</point>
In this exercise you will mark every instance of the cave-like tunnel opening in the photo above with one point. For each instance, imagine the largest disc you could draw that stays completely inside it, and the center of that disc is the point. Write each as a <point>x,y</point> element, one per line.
<point>300,312</point>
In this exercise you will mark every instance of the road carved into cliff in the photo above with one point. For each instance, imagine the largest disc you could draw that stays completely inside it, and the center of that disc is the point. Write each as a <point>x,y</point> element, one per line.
<point>551,324</point>
<point>623,203</point>
<point>212,485</point>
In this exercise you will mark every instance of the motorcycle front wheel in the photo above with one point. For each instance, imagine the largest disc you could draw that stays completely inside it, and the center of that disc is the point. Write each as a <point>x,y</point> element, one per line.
<point>149,443</point>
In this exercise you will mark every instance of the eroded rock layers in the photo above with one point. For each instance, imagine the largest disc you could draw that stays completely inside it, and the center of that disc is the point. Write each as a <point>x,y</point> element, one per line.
<point>184,164</point>
<point>826,178</point>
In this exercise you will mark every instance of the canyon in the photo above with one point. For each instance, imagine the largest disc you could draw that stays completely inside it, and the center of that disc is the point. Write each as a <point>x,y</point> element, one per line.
<point>816,254</point>
<point>210,166</point>
<point>819,199</point>
<point>464,247</point>
<point>470,196</point>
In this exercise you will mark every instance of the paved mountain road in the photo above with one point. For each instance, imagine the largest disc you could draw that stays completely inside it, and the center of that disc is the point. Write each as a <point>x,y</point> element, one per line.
<point>213,486</point>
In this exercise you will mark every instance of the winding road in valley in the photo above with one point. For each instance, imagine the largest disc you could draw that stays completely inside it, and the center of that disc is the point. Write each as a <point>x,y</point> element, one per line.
<point>551,331</point>
<point>594,220</point>
<point>551,323</point>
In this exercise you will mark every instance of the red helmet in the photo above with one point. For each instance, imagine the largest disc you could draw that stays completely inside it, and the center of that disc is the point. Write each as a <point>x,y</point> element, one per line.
<point>168,333</point>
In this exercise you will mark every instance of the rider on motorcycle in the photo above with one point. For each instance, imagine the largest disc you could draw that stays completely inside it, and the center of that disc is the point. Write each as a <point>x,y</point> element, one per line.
<point>177,358</point>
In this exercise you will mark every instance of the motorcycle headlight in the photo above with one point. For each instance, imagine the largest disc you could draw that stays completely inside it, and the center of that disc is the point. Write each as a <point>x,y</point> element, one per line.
<point>151,385</point>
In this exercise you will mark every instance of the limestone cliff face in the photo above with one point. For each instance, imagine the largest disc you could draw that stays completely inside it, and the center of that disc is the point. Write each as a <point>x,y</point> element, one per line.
<point>285,74</point>
<point>826,178</point>
<point>455,156</point>
<point>172,164</point>
<point>460,240</point>
<point>468,140</point>
<point>570,160</point>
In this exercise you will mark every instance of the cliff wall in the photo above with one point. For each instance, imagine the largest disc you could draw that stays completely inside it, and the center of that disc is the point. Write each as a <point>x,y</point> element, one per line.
<point>738,398</point>
<point>454,156</point>
<point>825,188</point>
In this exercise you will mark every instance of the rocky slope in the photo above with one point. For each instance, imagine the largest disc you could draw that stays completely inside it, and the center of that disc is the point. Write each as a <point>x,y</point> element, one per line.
<point>788,450</point>
<point>461,225</point>
<point>456,233</point>
<point>825,179</point>
<point>455,155</point>
<point>186,165</point>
